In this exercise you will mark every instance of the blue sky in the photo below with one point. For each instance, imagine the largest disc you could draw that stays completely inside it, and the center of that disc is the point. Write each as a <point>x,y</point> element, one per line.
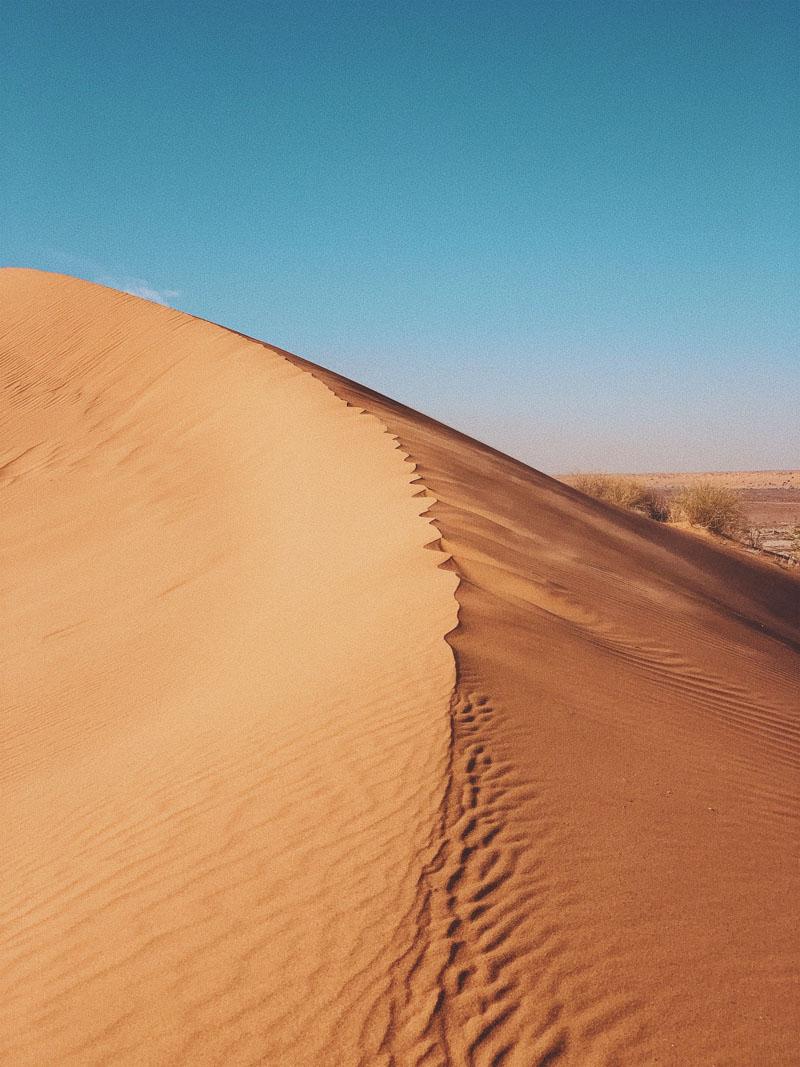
<point>570,229</point>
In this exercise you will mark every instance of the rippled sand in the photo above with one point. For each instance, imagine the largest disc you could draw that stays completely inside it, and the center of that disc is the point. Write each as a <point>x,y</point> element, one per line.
<point>332,736</point>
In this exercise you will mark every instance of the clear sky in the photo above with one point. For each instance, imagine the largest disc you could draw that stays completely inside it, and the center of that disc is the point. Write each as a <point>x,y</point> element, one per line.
<point>568,228</point>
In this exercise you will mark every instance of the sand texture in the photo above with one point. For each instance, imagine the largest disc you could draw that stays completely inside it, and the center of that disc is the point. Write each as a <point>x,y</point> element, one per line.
<point>331,736</point>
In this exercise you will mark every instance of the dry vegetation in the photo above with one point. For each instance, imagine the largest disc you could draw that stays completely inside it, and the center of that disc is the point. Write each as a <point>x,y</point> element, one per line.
<point>625,493</point>
<point>714,507</point>
<point>703,503</point>
<point>753,537</point>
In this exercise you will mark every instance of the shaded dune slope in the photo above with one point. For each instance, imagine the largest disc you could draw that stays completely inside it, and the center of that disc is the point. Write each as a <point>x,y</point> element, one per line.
<point>267,803</point>
<point>621,862</point>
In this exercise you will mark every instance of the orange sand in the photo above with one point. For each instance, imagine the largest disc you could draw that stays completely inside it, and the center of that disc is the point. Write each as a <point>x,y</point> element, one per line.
<point>270,800</point>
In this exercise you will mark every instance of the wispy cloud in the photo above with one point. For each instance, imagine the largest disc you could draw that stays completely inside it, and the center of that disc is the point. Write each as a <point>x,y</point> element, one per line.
<point>104,274</point>
<point>139,287</point>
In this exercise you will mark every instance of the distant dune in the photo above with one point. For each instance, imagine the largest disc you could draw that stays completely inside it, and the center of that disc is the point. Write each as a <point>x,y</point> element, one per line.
<point>331,736</point>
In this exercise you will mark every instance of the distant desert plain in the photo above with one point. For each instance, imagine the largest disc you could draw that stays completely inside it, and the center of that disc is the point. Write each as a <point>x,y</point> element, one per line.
<point>769,501</point>
<point>332,736</point>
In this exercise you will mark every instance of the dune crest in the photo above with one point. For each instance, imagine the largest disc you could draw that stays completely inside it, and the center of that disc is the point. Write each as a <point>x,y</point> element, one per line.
<point>334,736</point>
<point>624,798</point>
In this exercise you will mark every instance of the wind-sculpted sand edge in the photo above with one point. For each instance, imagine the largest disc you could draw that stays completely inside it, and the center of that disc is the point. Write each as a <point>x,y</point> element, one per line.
<point>641,748</point>
<point>226,694</point>
<point>496,798</point>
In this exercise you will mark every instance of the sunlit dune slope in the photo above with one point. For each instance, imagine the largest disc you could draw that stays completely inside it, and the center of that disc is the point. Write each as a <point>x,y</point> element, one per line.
<point>226,693</point>
<point>283,785</point>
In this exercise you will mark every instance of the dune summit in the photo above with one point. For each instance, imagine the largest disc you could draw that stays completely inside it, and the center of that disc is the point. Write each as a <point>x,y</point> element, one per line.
<point>333,736</point>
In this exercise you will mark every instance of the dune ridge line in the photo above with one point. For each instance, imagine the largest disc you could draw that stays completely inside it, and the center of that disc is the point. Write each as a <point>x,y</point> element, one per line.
<point>448,942</point>
<point>289,788</point>
<point>558,594</point>
<point>227,695</point>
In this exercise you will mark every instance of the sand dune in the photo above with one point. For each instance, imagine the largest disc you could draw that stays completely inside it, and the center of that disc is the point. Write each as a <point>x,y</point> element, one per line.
<point>332,736</point>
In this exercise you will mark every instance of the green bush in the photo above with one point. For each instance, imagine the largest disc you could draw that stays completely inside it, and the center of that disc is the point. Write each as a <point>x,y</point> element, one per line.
<point>709,505</point>
<point>624,492</point>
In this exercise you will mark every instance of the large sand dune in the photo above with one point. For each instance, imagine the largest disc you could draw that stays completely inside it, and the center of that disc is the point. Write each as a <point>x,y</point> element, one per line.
<point>331,736</point>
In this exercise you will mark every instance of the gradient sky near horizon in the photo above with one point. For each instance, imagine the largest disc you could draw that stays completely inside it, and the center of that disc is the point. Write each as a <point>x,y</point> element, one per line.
<point>570,229</point>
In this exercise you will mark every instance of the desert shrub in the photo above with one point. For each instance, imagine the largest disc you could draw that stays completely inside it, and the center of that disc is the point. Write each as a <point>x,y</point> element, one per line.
<point>710,505</point>
<point>655,505</point>
<point>624,492</point>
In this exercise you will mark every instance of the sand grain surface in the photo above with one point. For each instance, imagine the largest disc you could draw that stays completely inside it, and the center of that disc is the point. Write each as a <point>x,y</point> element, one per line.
<point>226,693</point>
<point>332,736</point>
